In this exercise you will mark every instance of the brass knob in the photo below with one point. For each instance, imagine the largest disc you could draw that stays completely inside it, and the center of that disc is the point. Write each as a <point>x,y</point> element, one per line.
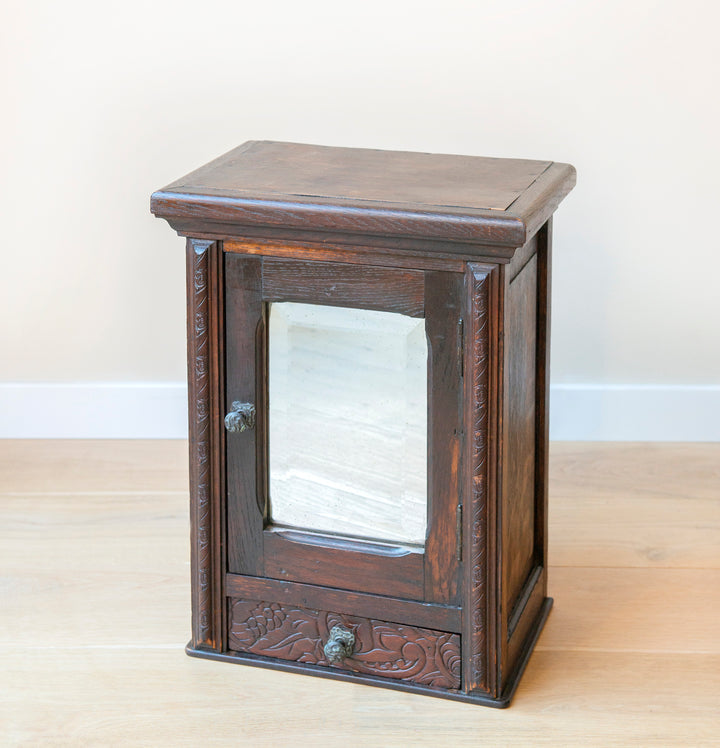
<point>340,644</point>
<point>241,417</point>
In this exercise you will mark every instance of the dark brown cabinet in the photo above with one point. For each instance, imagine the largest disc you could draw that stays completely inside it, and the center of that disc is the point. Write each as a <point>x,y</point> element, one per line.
<point>368,374</point>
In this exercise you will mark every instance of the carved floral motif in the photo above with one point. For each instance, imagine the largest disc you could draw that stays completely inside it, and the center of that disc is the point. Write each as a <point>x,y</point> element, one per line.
<point>430,658</point>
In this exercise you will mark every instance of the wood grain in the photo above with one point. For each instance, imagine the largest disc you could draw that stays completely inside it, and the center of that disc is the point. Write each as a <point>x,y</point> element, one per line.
<point>444,327</point>
<point>358,255</point>
<point>219,217</point>
<point>97,466</point>
<point>245,504</point>
<point>537,204</point>
<point>635,505</point>
<point>96,697</point>
<point>427,615</point>
<point>371,245</point>
<point>290,170</point>
<point>634,610</point>
<point>262,189</point>
<point>630,531</point>
<point>94,570</point>
<point>518,491</point>
<point>342,565</point>
<point>268,185</point>
<point>651,470</point>
<point>337,284</point>
<point>391,289</point>
<point>95,590</point>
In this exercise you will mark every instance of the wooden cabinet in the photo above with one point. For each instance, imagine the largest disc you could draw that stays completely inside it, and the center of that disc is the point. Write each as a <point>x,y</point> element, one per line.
<point>455,251</point>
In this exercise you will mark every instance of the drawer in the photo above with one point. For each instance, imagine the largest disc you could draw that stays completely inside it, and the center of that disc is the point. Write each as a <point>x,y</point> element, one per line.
<point>390,650</point>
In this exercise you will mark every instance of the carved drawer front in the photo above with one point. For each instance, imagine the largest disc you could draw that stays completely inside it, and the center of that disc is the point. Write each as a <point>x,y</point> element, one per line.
<point>390,650</point>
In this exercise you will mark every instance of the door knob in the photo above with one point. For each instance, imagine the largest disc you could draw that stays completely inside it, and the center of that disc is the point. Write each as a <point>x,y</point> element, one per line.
<point>241,417</point>
<point>340,644</point>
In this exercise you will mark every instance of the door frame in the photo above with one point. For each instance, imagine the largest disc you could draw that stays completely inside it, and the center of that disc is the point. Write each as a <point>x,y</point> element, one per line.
<point>257,549</point>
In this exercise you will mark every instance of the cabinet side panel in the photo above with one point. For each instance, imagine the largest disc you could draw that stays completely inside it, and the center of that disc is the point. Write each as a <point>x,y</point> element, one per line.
<point>525,507</point>
<point>518,498</point>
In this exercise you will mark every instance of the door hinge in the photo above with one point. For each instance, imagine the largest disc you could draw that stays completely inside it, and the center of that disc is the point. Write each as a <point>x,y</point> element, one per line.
<point>458,532</point>
<point>461,346</point>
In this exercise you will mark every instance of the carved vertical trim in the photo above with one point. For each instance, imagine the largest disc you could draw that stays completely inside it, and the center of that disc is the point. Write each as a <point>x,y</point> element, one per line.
<point>200,432</point>
<point>480,475</point>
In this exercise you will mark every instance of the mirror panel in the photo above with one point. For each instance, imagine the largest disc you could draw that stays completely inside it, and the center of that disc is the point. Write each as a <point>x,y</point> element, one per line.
<point>348,422</point>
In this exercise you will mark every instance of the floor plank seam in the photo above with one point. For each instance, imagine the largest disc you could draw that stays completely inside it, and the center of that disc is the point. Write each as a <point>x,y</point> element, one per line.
<point>77,647</point>
<point>95,494</point>
<point>628,650</point>
<point>627,568</point>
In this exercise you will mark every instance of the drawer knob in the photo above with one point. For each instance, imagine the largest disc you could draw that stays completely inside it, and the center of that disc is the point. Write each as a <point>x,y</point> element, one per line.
<point>241,417</point>
<point>340,644</point>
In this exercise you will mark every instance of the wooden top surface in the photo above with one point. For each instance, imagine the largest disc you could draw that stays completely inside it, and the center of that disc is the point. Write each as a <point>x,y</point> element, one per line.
<point>394,193</point>
<point>424,179</point>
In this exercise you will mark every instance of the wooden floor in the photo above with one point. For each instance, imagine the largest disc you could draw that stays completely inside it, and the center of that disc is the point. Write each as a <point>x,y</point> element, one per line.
<point>94,614</point>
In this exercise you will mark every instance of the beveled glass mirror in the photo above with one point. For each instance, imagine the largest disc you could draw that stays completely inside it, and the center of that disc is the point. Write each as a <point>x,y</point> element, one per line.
<point>348,422</point>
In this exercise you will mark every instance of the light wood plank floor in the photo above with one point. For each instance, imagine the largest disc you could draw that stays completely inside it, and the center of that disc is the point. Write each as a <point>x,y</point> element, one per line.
<point>94,614</point>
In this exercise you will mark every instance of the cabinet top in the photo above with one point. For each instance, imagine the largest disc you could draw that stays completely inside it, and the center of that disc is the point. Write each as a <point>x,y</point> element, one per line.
<point>486,201</point>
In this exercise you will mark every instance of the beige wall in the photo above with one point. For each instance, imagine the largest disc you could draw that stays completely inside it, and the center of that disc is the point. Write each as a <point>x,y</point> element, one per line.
<point>102,103</point>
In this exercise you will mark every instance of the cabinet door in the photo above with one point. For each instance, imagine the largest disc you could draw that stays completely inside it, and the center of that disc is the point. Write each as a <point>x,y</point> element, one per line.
<point>349,477</point>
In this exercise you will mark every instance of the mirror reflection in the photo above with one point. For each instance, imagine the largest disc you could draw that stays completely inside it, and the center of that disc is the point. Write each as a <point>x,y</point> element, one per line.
<point>348,422</point>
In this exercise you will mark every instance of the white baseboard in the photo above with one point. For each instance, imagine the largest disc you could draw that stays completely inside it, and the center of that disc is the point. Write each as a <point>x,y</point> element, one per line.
<point>637,413</point>
<point>159,411</point>
<point>136,410</point>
